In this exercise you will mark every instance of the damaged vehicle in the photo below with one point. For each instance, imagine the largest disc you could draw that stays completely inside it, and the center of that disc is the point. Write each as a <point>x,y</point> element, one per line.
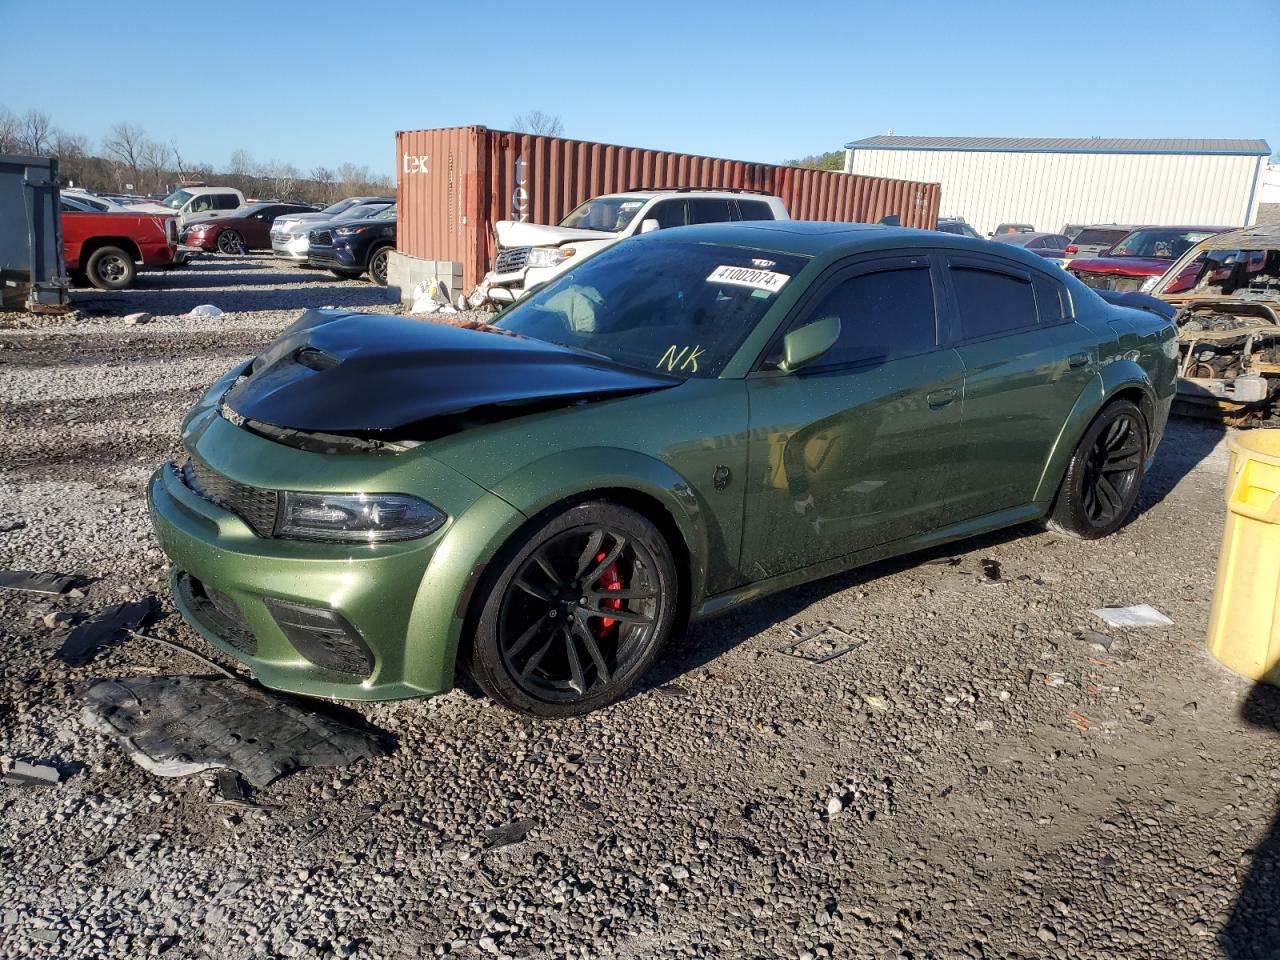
<point>1226,291</point>
<point>532,253</point>
<point>675,427</point>
<point>1135,263</point>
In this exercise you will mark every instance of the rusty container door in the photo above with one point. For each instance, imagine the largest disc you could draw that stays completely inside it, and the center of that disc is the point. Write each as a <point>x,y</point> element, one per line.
<point>456,183</point>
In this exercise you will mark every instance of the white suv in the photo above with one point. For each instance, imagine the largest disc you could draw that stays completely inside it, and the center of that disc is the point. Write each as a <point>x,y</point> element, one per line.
<point>531,253</point>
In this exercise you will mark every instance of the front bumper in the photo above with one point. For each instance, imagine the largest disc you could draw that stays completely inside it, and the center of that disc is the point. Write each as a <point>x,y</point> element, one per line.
<point>207,242</point>
<point>402,599</point>
<point>341,257</point>
<point>290,248</point>
<point>509,287</point>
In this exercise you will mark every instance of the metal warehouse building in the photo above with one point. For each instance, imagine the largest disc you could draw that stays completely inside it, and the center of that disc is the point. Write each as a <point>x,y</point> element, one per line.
<point>1048,182</point>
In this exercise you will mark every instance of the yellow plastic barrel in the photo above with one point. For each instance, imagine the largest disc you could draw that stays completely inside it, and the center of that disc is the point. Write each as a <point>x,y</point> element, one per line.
<point>1244,629</point>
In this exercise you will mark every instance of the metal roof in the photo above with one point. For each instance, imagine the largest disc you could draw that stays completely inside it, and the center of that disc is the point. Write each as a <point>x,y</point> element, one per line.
<point>1250,148</point>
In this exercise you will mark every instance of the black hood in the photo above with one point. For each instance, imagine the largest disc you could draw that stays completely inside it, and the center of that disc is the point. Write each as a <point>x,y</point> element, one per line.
<point>373,374</point>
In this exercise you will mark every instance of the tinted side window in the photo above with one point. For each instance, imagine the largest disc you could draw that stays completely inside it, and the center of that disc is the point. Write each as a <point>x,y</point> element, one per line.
<point>754,210</point>
<point>882,315</point>
<point>709,210</point>
<point>1051,300</point>
<point>992,303</point>
<point>668,213</point>
<point>225,201</point>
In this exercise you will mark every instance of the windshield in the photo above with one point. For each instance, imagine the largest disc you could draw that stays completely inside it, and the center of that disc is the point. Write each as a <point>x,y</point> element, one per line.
<point>362,211</point>
<point>336,208</point>
<point>176,199</point>
<point>679,307</point>
<point>1163,244</point>
<point>1098,237</point>
<point>610,214</point>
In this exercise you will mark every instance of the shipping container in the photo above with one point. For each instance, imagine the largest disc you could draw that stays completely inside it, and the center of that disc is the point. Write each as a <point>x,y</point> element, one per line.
<point>456,183</point>
<point>1049,182</point>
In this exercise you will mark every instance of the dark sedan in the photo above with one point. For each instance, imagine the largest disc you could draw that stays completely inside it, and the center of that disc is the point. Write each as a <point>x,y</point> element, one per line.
<point>247,228</point>
<point>1051,246</point>
<point>1140,259</point>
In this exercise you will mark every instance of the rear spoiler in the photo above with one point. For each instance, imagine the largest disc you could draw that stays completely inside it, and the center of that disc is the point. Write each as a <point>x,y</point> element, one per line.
<point>1138,301</point>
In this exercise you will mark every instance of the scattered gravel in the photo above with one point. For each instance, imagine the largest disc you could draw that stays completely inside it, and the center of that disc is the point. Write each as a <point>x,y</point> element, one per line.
<point>926,795</point>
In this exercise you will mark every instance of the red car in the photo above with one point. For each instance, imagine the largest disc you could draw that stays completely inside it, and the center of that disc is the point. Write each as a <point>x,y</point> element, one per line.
<point>105,248</point>
<point>246,228</point>
<point>1140,259</point>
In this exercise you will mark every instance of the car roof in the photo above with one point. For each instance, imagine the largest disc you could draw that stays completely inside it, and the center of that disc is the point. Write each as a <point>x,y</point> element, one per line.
<point>832,241</point>
<point>684,191</point>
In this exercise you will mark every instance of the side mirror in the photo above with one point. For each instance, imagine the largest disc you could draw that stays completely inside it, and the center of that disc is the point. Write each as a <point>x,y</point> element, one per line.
<point>809,342</point>
<point>650,225</point>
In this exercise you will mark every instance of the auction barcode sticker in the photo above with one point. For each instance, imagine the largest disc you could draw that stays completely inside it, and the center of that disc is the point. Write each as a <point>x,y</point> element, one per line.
<point>747,277</point>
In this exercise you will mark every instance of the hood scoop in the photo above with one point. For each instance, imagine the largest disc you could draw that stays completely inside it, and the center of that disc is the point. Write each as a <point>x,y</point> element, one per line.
<point>391,378</point>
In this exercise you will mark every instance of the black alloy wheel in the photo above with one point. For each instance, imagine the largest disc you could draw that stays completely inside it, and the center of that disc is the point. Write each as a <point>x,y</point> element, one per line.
<point>1102,481</point>
<point>1111,470</point>
<point>378,266</point>
<point>229,242</point>
<point>577,613</point>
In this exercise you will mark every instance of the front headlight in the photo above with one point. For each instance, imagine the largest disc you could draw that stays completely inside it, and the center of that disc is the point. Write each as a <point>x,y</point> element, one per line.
<point>355,517</point>
<point>1148,284</point>
<point>347,231</point>
<point>549,256</point>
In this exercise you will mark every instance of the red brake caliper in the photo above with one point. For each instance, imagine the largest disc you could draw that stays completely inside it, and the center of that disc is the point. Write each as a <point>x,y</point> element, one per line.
<point>609,580</point>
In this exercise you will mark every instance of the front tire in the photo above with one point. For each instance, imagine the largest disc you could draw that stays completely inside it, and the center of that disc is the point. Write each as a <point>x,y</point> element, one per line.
<point>229,241</point>
<point>378,266</point>
<point>110,268</point>
<point>1104,476</point>
<point>575,612</point>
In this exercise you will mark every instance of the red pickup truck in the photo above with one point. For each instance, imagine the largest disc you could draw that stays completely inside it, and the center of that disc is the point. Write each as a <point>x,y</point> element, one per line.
<point>105,248</point>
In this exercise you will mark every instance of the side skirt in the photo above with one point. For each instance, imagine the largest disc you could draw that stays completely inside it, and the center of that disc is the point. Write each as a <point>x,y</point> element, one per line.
<point>724,602</point>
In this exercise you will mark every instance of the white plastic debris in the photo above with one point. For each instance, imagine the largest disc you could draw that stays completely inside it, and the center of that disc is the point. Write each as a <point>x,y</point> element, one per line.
<point>134,319</point>
<point>431,296</point>
<point>1140,615</point>
<point>204,310</point>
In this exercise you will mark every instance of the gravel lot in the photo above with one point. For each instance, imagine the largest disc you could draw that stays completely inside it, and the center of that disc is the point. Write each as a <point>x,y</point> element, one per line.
<point>927,794</point>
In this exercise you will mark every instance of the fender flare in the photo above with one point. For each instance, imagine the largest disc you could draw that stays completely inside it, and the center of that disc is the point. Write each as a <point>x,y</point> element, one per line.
<point>1116,377</point>
<point>580,474</point>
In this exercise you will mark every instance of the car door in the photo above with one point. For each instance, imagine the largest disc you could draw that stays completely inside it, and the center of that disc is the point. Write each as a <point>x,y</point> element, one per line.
<point>257,227</point>
<point>1026,362</point>
<point>855,449</point>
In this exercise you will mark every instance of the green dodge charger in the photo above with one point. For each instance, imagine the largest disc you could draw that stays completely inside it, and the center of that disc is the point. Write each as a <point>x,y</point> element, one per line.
<point>686,422</point>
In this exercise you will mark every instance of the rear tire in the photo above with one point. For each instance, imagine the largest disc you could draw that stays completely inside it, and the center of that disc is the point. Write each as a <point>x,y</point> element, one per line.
<point>110,268</point>
<point>1104,475</point>
<point>550,639</point>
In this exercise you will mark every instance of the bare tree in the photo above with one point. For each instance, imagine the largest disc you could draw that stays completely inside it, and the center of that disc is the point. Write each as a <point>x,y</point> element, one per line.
<point>8,131</point>
<point>34,130</point>
<point>125,143</point>
<point>156,160</point>
<point>535,121</point>
<point>241,165</point>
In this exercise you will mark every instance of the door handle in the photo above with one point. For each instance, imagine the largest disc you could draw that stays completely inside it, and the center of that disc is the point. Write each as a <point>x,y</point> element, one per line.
<point>1077,360</point>
<point>940,398</point>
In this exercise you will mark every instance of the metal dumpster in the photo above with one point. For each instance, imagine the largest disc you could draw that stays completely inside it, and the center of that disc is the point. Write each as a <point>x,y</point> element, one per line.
<point>33,272</point>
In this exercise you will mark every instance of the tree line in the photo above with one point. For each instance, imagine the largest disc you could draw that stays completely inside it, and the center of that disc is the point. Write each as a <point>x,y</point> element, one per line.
<point>128,160</point>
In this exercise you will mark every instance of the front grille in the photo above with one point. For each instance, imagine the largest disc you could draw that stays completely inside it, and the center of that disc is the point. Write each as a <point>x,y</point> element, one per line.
<point>254,506</point>
<point>321,237</point>
<point>217,613</point>
<point>1111,281</point>
<point>512,259</point>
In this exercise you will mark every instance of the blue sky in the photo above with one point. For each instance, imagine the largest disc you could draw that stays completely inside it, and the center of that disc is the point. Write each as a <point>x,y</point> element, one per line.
<point>321,82</point>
